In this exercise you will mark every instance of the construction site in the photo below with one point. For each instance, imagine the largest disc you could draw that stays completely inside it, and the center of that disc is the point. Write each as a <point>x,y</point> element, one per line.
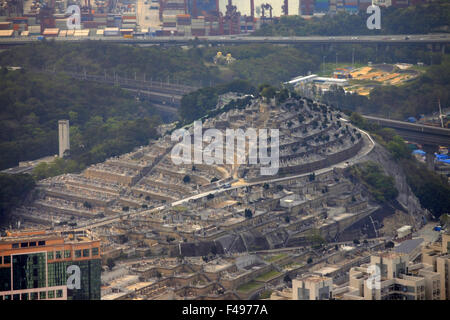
<point>360,80</point>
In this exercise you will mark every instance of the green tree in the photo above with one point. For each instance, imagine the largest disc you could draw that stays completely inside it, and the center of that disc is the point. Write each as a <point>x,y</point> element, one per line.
<point>14,189</point>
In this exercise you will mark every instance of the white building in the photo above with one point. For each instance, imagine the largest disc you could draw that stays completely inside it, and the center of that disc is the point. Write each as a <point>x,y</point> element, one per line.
<point>63,134</point>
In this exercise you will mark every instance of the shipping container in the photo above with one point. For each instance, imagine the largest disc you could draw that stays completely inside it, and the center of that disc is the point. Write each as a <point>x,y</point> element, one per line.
<point>5,25</point>
<point>34,30</point>
<point>321,7</point>
<point>111,32</point>
<point>351,9</point>
<point>50,32</point>
<point>81,33</point>
<point>6,33</point>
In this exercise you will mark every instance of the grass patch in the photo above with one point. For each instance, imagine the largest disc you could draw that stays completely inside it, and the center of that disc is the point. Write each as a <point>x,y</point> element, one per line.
<point>179,209</point>
<point>275,257</point>
<point>249,286</point>
<point>265,294</point>
<point>268,275</point>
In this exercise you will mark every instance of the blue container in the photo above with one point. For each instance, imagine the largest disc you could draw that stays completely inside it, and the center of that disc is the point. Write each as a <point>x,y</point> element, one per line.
<point>321,5</point>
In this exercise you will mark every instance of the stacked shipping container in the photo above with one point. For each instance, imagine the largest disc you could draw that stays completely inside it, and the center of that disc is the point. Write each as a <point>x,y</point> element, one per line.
<point>306,7</point>
<point>351,6</point>
<point>321,6</point>
<point>363,4</point>
<point>198,26</point>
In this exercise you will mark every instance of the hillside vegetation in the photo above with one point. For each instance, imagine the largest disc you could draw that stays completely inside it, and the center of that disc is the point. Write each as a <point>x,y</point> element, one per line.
<point>432,190</point>
<point>104,121</point>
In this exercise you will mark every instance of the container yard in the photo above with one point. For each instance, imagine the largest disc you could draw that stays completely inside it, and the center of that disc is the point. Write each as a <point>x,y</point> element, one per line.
<point>48,18</point>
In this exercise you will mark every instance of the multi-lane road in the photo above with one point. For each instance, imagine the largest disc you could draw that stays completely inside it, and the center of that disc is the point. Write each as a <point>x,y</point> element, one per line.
<point>415,132</point>
<point>435,39</point>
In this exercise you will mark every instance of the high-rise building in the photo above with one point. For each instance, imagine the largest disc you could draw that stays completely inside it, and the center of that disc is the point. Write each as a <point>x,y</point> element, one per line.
<point>42,266</point>
<point>399,278</point>
<point>439,258</point>
<point>63,134</point>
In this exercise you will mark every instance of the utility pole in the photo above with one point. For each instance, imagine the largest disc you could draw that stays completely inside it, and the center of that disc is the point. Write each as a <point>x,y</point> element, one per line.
<point>353,57</point>
<point>336,59</point>
<point>440,113</point>
<point>323,64</point>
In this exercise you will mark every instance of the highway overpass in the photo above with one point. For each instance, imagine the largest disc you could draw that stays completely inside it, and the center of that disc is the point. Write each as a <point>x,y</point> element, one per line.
<point>415,132</point>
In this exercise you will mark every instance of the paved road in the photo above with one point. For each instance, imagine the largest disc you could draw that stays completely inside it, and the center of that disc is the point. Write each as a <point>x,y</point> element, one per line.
<point>415,132</point>
<point>143,10</point>
<point>440,39</point>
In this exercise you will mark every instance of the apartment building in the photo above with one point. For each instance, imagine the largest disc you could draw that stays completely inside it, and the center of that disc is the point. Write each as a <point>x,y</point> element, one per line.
<point>312,287</point>
<point>37,266</point>
<point>391,276</point>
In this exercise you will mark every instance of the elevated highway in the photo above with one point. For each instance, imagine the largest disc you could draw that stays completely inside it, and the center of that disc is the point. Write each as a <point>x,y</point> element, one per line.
<point>428,39</point>
<point>415,132</point>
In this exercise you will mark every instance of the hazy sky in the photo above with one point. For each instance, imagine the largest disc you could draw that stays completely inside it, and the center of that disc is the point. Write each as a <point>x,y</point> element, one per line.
<point>244,6</point>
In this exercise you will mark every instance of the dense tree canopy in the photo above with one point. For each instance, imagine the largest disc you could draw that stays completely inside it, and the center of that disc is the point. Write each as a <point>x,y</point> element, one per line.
<point>380,186</point>
<point>13,190</point>
<point>421,19</point>
<point>104,121</point>
<point>432,190</point>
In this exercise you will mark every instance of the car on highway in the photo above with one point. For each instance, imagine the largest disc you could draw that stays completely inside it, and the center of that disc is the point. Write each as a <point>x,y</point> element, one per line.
<point>226,186</point>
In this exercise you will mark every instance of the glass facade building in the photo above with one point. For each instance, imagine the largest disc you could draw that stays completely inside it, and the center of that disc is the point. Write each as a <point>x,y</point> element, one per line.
<point>35,267</point>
